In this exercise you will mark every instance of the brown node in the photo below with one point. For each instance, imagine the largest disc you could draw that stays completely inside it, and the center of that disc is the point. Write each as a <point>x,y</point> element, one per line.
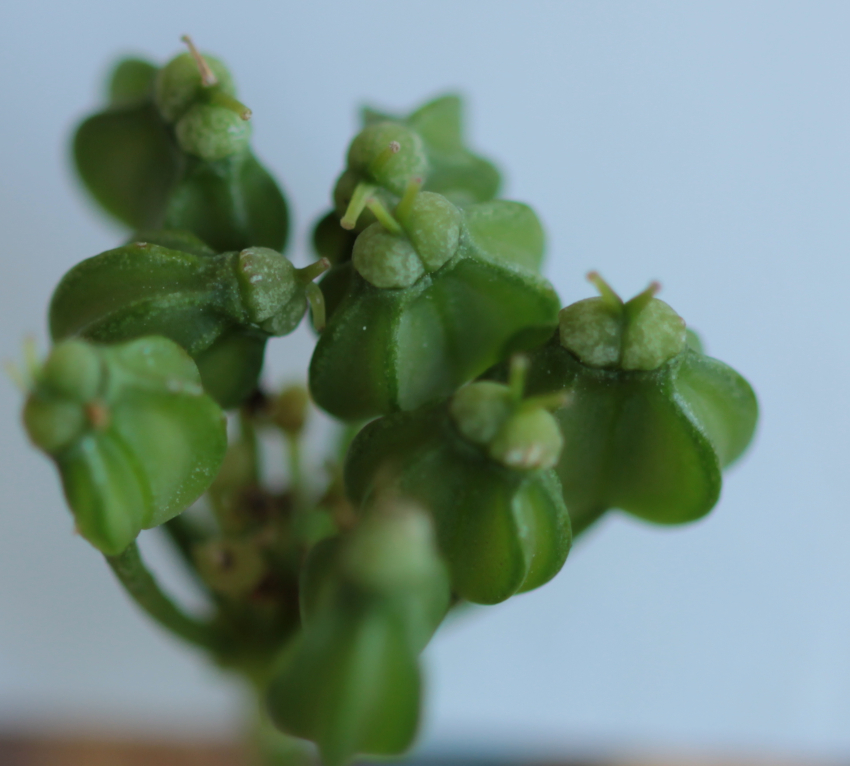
<point>98,414</point>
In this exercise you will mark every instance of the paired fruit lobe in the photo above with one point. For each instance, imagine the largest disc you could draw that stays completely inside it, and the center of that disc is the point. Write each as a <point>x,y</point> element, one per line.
<point>131,431</point>
<point>179,84</point>
<point>519,435</point>
<point>429,236</point>
<point>642,334</point>
<point>212,132</point>
<point>387,154</point>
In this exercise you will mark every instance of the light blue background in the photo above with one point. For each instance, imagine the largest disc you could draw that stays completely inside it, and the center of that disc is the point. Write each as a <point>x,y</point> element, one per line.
<point>702,144</point>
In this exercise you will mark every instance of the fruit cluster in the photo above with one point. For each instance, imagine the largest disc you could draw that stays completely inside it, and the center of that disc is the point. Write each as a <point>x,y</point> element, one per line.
<point>484,425</point>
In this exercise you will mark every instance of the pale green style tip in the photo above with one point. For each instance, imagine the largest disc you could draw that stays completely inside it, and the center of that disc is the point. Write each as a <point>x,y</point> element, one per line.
<point>641,334</point>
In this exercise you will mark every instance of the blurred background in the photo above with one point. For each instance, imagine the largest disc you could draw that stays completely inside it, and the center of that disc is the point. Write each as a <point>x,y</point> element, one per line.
<point>701,144</point>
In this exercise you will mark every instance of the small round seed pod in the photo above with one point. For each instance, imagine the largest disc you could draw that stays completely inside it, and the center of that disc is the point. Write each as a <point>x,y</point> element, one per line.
<point>212,132</point>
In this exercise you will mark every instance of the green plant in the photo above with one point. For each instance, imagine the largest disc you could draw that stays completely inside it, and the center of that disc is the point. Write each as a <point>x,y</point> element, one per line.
<point>501,428</point>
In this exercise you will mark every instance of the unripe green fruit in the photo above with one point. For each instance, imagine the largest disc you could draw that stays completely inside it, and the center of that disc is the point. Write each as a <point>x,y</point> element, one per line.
<point>197,175</point>
<point>651,421</point>
<point>501,522</point>
<point>385,259</point>
<point>133,435</point>
<point>179,85</point>
<point>429,236</point>
<point>529,440</point>
<point>480,410</point>
<point>268,282</point>
<point>371,599</point>
<point>220,308</point>
<point>74,371</point>
<point>54,425</point>
<point>453,170</point>
<point>212,132</point>
<point>391,552</point>
<point>408,325</point>
<point>517,434</point>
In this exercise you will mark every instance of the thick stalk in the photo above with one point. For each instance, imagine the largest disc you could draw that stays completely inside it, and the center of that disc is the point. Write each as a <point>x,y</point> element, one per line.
<point>145,591</point>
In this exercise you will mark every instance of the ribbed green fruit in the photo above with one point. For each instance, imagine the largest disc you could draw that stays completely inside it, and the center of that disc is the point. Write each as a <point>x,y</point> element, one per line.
<point>650,422</point>
<point>170,151</point>
<point>426,309</point>
<point>220,308</point>
<point>371,599</point>
<point>131,431</point>
<point>481,465</point>
<point>443,163</point>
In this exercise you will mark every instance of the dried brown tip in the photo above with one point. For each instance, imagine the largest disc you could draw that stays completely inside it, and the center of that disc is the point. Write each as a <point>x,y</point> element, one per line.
<point>208,78</point>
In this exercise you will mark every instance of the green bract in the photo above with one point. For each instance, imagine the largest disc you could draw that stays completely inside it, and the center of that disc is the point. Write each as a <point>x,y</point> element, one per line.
<point>370,601</point>
<point>220,308</point>
<point>424,312</point>
<point>480,463</point>
<point>171,150</point>
<point>651,421</point>
<point>132,433</point>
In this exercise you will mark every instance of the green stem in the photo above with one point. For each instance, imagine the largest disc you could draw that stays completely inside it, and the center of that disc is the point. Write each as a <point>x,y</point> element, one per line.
<point>383,215</point>
<point>143,588</point>
<point>516,375</point>
<point>614,301</point>
<point>637,304</point>
<point>404,207</point>
<point>248,435</point>
<point>316,299</point>
<point>313,270</point>
<point>296,475</point>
